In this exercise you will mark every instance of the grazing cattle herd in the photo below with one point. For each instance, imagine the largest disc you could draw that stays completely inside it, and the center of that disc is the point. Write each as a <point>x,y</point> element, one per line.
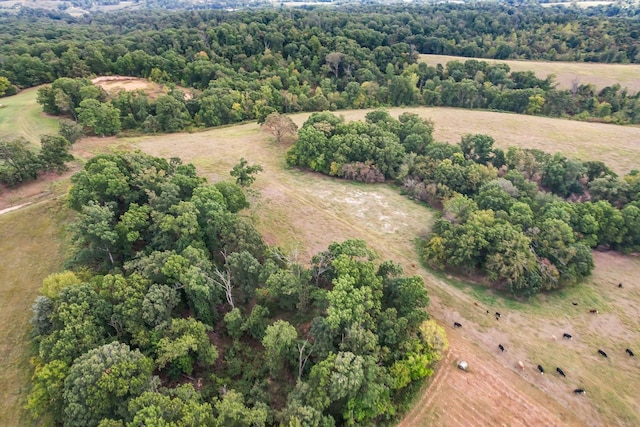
<point>565,335</point>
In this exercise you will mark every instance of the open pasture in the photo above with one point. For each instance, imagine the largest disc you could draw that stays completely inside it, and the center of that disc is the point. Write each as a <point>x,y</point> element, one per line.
<point>303,212</point>
<point>597,74</point>
<point>31,247</point>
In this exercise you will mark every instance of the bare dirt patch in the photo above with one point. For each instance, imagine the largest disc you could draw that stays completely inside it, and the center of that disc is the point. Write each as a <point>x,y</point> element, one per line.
<point>114,84</point>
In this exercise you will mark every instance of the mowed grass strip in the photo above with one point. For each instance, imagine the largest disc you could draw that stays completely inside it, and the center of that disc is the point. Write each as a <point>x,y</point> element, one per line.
<point>597,74</point>
<point>31,248</point>
<point>22,116</point>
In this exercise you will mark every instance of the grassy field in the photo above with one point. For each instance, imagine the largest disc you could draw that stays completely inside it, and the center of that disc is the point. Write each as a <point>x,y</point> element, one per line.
<point>599,75</point>
<point>31,248</point>
<point>304,212</point>
<point>23,116</point>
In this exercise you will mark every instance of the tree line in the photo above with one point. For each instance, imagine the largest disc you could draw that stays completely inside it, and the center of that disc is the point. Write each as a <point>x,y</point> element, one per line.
<point>175,311</point>
<point>259,62</point>
<point>525,218</point>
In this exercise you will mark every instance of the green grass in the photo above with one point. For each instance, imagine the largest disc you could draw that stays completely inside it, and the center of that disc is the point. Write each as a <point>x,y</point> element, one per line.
<point>23,117</point>
<point>31,248</point>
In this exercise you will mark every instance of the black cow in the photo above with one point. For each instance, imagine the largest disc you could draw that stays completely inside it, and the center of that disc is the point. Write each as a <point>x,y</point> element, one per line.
<point>561,372</point>
<point>629,352</point>
<point>501,347</point>
<point>457,325</point>
<point>602,353</point>
<point>541,369</point>
<point>619,285</point>
<point>567,336</point>
<point>579,391</point>
<point>574,303</point>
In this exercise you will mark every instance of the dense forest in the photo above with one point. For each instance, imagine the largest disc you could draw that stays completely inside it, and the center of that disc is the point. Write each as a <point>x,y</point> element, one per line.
<point>175,312</point>
<point>247,64</point>
<point>510,215</point>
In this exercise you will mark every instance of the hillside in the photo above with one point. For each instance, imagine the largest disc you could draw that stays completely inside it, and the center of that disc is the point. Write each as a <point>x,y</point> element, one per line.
<point>303,212</point>
<point>566,73</point>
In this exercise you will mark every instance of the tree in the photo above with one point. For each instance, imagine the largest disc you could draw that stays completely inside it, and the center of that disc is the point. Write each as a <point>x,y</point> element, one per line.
<point>101,118</point>
<point>46,396</point>
<point>562,175</point>
<point>478,148</point>
<point>54,153</point>
<point>185,343</point>
<point>244,174</point>
<point>17,162</point>
<point>279,342</point>
<point>70,130</point>
<point>80,320</point>
<point>334,59</point>
<point>101,383</point>
<point>95,233</point>
<point>42,310</point>
<point>171,114</point>
<point>280,126</point>
<point>54,283</point>
<point>232,412</point>
<point>178,407</point>
<point>4,85</point>
<point>158,304</point>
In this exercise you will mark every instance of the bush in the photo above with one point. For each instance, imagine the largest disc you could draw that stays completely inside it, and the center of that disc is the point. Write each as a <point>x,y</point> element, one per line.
<point>363,172</point>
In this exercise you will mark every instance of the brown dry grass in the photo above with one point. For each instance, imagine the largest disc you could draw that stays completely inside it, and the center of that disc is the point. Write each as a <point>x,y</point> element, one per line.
<point>599,75</point>
<point>31,248</point>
